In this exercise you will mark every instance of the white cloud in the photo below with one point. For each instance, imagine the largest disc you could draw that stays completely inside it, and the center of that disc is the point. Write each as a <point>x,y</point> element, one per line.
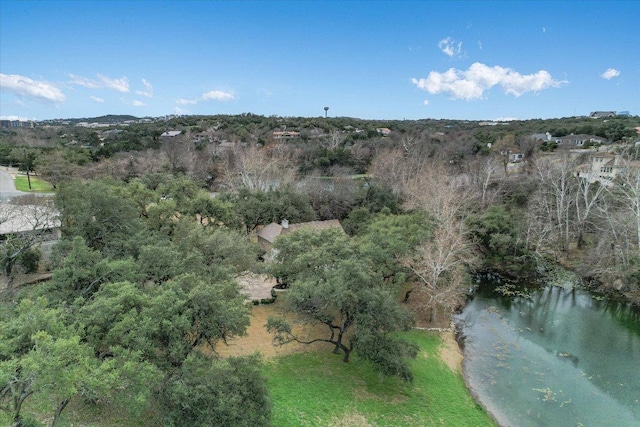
<point>449,47</point>
<point>473,82</point>
<point>84,82</point>
<point>96,99</point>
<point>425,102</point>
<point>120,85</point>
<point>218,95</point>
<point>544,29</point>
<point>610,73</point>
<point>183,101</point>
<point>180,111</point>
<point>26,87</point>
<point>149,89</point>
<point>137,103</point>
<point>479,45</point>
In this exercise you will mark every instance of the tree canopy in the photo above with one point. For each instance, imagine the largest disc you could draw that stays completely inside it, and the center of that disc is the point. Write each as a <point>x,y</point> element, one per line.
<point>332,283</point>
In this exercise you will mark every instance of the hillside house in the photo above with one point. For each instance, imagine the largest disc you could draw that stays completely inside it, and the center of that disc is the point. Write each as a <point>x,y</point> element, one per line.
<point>602,114</point>
<point>285,134</point>
<point>603,167</point>
<point>516,157</point>
<point>581,139</point>
<point>270,233</point>
<point>545,137</point>
<point>170,133</point>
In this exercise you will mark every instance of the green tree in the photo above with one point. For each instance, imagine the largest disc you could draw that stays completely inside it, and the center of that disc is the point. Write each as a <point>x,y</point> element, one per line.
<point>256,207</point>
<point>81,270</point>
<point>218,247</point>
<point>65,368</point>
<point>331,283</point>
<point>99,213</point>
<point>221,392</point>
<point>496,233</point>
<point>388,239</point>
<point>41,353</point>
<point>168,322</point>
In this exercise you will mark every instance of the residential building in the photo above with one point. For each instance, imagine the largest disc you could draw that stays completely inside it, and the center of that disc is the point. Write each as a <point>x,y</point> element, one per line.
<point>602,167</point>
<point>516,157</point>
<point>602,114</point>
<point>285,134</point>
<point>580,140</point>
<point>171,133</point>
<point>16,124</point>
<point>545,137</point>
<point>269,233</point>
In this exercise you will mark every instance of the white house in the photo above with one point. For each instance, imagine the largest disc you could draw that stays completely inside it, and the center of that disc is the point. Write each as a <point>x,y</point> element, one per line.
<point>603,167</point>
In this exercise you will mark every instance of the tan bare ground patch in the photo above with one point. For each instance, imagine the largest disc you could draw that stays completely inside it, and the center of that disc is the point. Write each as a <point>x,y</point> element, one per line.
<point>259,340</point>
<point>350,418</point>
<point>449,351</point>
<point>361,394</point>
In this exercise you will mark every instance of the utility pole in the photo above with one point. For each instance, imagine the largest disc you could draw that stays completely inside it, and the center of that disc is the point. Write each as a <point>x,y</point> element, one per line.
<point>26,164</point>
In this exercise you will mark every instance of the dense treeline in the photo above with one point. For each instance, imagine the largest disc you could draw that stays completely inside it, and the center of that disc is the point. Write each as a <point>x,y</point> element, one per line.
<point>143,289</point>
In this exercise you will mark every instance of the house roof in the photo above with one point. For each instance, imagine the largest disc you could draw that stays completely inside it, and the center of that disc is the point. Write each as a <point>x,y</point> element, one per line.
<point>581,137</point>
<point>171,133</point>
<point>270,232</point>
<point>17,219</point>
<point>598,114</point>
<point>273,230</point>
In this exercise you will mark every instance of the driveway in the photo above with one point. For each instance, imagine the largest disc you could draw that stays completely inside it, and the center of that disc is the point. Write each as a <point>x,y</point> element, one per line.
<point>8,187</point>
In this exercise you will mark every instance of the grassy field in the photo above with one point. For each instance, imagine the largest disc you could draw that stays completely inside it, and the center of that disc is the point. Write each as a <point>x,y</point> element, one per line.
<point>37,185</point>
<point>317,389</point>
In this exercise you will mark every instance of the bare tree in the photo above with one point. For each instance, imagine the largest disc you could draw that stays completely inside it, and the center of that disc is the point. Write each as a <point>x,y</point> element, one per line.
<point>440,266</point>
<point>333,141</point>
<point>257,168</point>
<point>588,195</point>
<point>484,174</point>
<point>395,169</point>
<point>179,151</point>
<point>443,259</point>
<point>408,144</point>
<point>24,222</point>
<point>628,188</point>
<point>557,189</point>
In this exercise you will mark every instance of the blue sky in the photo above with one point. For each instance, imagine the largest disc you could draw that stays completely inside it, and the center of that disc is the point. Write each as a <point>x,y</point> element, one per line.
<point>472,60</point>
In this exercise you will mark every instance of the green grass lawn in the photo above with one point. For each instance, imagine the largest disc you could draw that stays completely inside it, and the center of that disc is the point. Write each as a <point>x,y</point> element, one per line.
<point>37,185</point>
<point>318,389</point>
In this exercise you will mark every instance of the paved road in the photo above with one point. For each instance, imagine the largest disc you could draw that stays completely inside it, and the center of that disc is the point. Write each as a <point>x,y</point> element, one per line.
<point>8,187</point>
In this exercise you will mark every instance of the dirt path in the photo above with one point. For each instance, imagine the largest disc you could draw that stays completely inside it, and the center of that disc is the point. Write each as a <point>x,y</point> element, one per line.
<point>449,351</point>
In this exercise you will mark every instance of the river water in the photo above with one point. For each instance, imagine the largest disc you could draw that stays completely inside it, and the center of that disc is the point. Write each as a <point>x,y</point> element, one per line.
<point>558,357</point>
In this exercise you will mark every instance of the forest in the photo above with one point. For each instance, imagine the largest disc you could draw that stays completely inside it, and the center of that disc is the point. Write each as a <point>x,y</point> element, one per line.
<point>154,231</point>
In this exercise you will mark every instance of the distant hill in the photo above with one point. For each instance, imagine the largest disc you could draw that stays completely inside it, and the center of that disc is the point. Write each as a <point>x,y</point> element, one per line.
<point>109,118</point>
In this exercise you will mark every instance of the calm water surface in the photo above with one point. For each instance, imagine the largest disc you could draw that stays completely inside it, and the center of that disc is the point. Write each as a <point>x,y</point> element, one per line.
<point>556,358</point>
